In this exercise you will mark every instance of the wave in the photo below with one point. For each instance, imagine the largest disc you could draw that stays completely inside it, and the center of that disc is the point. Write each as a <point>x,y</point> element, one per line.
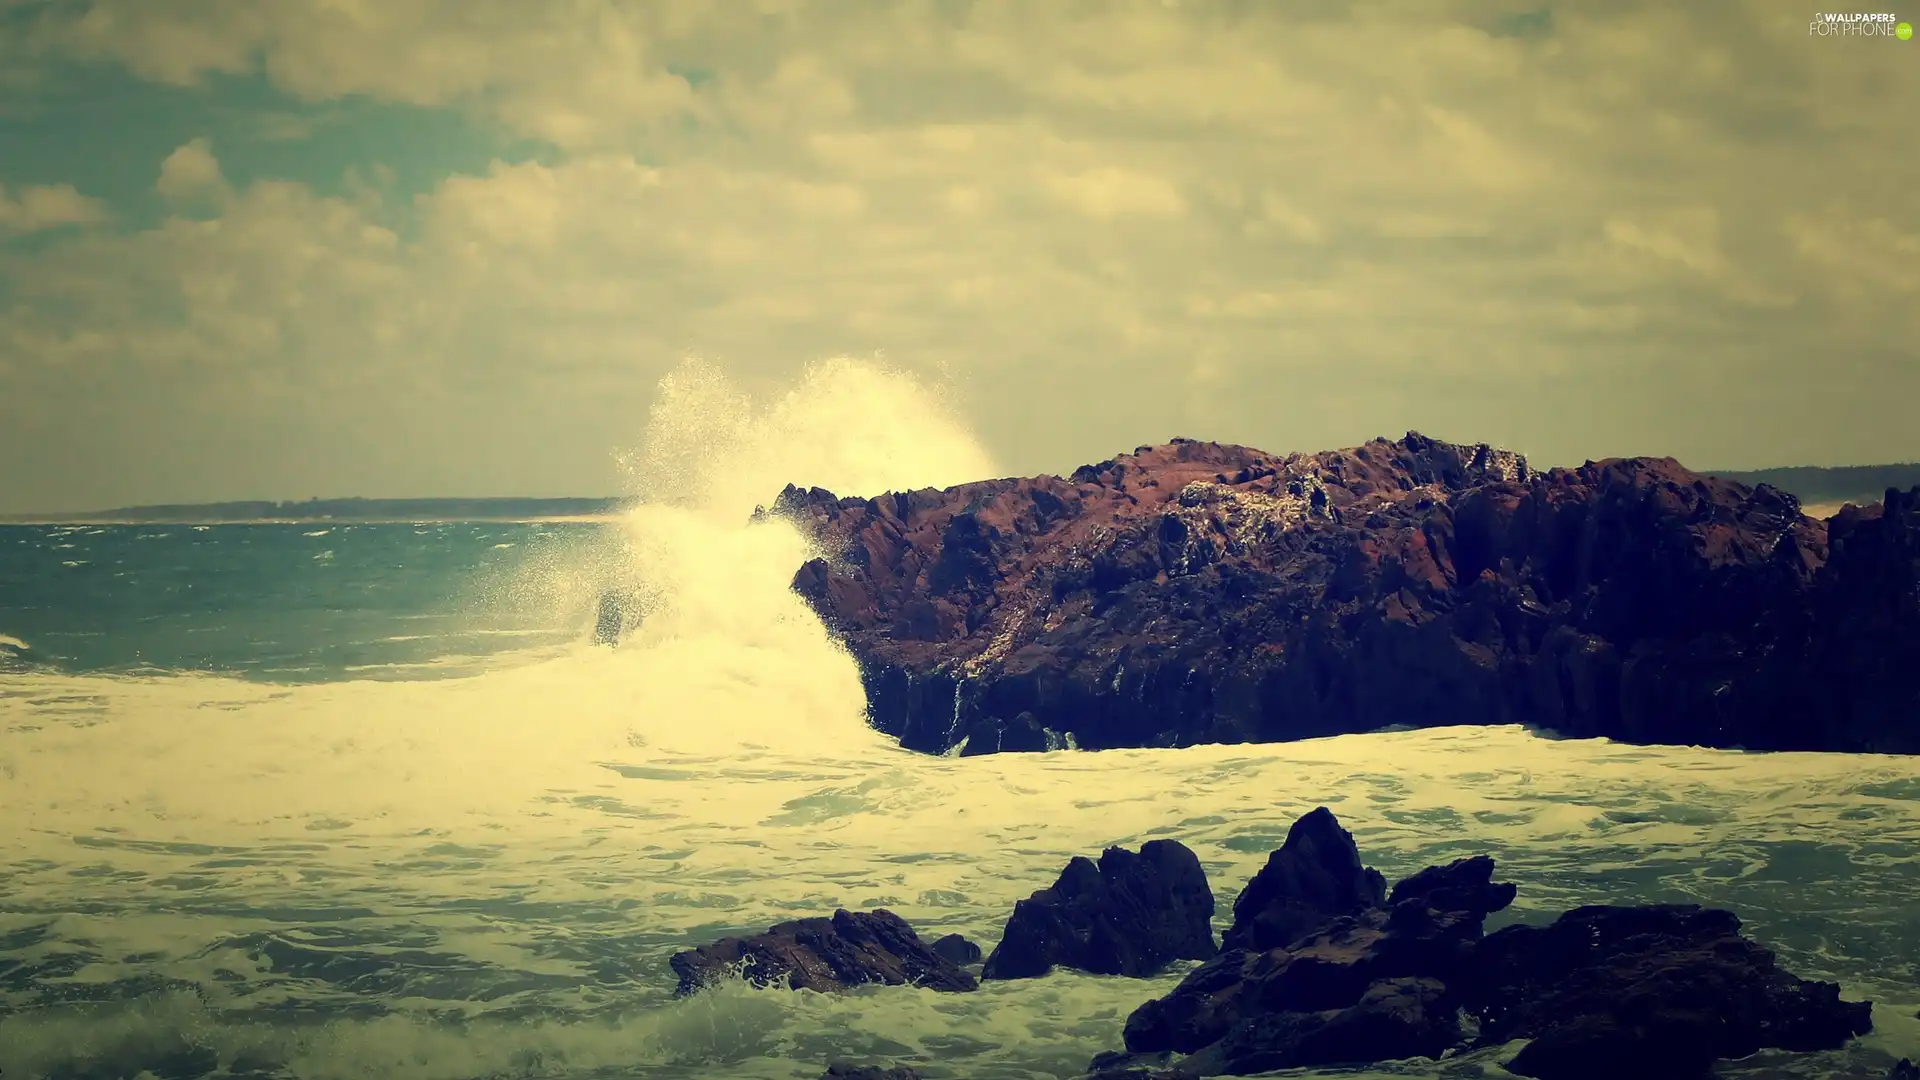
<point>710,622</point>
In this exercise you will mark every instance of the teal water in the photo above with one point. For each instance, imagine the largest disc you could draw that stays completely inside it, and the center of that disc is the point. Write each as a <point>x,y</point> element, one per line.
<point>286,602</point>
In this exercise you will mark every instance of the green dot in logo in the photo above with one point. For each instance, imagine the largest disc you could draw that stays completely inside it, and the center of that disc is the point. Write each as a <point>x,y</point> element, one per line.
<point>1903,31</point>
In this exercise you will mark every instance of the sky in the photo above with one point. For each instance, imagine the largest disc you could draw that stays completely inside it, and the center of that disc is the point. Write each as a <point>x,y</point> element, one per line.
<point>401,248</point>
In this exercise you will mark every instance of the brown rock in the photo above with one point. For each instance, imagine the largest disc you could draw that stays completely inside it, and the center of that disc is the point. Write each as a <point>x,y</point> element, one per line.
<point>1196,592</point>
<point>825,954</point>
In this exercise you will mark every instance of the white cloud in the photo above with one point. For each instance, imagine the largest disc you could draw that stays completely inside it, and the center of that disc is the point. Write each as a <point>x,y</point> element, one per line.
<point>192,174</point>
<point>47,206</point>
<point>1108,225</point>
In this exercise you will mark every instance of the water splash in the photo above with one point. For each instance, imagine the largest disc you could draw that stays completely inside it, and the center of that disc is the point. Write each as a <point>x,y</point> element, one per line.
<point>713,629</point>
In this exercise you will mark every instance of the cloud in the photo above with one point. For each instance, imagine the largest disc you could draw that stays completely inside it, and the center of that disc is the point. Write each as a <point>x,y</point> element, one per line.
<point>47,206</point>
<point>1109,222</point>
<point>192,174</point>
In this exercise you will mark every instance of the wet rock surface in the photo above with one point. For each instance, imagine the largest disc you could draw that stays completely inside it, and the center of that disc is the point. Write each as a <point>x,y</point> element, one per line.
<point>1655,992</point>
<point>825,954</point>
<point>1652,992</point>
<point>1196,592</point>
<point>1314,876</point>
<point>956,950</point>
<point>1131,913</point>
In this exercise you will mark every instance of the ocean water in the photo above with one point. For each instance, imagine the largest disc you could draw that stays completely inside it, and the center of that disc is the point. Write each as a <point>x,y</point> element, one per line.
<point>290,801</point>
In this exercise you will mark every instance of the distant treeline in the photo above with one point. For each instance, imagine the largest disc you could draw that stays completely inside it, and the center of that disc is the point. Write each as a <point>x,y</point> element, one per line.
<point>1815,484</point>
<point>353,510</point>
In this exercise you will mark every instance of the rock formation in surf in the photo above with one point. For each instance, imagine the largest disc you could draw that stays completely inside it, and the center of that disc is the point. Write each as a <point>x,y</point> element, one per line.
<point>957,949</point>
<point>825,954</point>
<point>1129,914</point>
<point>1314,877</point>
<point>1196,592</point>
<point>1656,992</point>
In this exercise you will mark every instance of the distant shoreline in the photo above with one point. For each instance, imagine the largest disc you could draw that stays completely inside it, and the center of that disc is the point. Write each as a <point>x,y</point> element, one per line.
<point>354,511</point>
<point>1822,490</point>
<point>556,519</point>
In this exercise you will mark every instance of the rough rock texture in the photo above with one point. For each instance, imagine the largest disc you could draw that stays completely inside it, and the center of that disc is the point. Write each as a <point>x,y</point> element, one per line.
<point>825,954</point>
<point>1315,876</point>
<point>1195,592</point>
<point>957,949</point>
<point>1658,993</point>
<point>1654,993</point>
<point>1379,983</point>
<point>1131,914</point>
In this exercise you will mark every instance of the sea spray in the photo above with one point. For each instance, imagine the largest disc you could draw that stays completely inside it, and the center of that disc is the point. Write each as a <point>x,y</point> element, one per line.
<point>484,877</point>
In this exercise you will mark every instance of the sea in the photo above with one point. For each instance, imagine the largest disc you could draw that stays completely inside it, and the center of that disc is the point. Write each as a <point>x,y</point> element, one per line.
<point>335,800</point>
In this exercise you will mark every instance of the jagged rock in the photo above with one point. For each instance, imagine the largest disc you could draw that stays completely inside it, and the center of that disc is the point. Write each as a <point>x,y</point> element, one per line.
<point>1904,1070</point>
<point>825,954</point>
<point>1315,876</point>
<point>1195,592</point>
<point>1326,974</point>
<point>1657,992</point>
<point>1393,1019</point>
<point>1654,993</point>
<point>839,1071</point>
<point>1131,914</point>
<point>957,950</point>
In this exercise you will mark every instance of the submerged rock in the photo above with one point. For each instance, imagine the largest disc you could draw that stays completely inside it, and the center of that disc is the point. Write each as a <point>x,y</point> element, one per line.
<point>957,949</point>
<point>825,954</point>
<point>1130,914</point>
<point>839,1071</point>
<point>1652,993</point>
<point>1114,1065</point>
<point>1196,592</point>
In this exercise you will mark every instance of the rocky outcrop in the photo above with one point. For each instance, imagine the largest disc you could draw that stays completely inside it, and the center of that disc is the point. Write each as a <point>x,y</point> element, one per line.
<point>825,954</point>
<point>1656,993</point>
<point>1866,630</point>
<point>1196,592</point>
<point>1380,983</point>
<point>957,950</point>
<point>1314,877</point>
<point>1129,914</point>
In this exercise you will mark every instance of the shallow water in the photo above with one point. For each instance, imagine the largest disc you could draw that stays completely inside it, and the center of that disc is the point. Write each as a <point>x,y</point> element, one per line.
<point>423,880</point>
<point>242,833</point>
